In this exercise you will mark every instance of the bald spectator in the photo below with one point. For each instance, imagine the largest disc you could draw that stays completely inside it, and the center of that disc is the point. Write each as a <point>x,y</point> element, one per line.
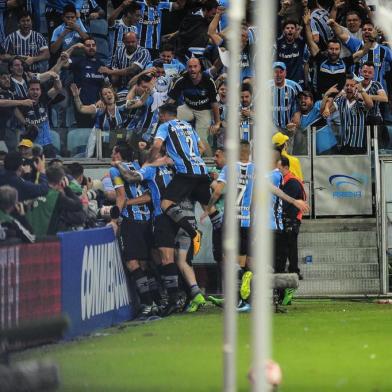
<point>128,23</point>
<point>200,104</point>
<point>129,60</point>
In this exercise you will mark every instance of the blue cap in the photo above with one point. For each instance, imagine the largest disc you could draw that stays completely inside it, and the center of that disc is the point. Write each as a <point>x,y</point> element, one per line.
<point>279,64</point>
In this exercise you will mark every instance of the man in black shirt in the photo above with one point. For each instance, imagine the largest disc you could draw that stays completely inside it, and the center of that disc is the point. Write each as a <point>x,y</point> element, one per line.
<point>292,217</point>
<point>200,104</point>
<point>87,77</point>
<point>330,68</point>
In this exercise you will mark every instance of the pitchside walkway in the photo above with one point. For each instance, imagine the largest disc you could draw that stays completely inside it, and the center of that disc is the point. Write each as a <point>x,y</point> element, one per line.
<point>344,257</point>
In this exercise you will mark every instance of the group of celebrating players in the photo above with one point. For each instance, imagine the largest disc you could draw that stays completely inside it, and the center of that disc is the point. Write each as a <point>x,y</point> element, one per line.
<point>172,179</point>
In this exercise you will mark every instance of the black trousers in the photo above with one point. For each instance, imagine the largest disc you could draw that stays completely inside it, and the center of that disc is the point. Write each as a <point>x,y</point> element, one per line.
<point>280,252</point>
<point>291,250</point>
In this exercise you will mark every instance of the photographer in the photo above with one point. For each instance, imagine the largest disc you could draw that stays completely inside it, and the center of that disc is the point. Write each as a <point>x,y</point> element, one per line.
<point>13,172</point>
<point>60,210</point>
<point>12,222</point>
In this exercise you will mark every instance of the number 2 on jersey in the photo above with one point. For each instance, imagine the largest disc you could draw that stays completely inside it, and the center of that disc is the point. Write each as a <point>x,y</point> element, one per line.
<point>189,142</point>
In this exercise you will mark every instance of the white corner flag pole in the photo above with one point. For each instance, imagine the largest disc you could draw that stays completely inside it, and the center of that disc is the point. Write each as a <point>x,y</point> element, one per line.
<point>264,19</point>
<point>230,243</point>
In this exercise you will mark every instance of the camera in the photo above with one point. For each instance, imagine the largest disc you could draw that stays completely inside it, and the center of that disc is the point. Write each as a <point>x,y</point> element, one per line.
<point>37,152</point>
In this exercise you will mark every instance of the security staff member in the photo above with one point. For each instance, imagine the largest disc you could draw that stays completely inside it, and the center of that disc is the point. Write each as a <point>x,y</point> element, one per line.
<point>292,216</point>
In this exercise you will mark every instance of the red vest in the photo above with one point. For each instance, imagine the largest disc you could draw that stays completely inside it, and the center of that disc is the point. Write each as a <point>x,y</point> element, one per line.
<point>290,176</point>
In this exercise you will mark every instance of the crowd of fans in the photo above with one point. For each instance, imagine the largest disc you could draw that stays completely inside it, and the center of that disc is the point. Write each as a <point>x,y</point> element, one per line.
<point>108,66</point>
<point>161,62</point>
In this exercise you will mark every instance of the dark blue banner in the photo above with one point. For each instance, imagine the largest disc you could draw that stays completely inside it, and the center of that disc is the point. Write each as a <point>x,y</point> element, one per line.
<point>94,287</point>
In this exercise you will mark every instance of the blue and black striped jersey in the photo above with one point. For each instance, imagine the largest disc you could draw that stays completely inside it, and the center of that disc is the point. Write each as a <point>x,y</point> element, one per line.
<point>380,56</point>
<point>182,147</point>
<point>245,182</point>
<point>157,179</point>
<point>373,89</point>
<point>30,45</point>
<point>276,206</point>
<point>284,102</point>
<point>3,8</point>
<point>20,89</point>
<point>352,121</point>
<point>116,34</point>
<point>319,25</point>
<point>149,27</point>
<point>132,212</point>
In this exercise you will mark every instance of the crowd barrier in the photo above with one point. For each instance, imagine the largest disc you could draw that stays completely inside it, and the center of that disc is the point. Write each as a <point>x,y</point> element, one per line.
<point>80,274</point>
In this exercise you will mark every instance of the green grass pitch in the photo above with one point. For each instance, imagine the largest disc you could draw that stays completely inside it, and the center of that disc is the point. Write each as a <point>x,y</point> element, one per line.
<point>320,345</point>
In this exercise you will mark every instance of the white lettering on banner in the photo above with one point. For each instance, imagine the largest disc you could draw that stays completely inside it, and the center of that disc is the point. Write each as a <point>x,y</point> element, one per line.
<point>9,287</point>
<point>103,284</point>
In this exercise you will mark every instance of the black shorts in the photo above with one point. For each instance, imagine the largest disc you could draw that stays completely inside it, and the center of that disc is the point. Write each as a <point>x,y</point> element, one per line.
<point>136,239</point>
<point>244,238</point>
<point>165,231</point>
<point>194,187</point>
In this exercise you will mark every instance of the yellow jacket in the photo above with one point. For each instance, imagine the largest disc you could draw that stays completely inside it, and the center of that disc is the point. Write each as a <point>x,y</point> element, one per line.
<point>295,165</point>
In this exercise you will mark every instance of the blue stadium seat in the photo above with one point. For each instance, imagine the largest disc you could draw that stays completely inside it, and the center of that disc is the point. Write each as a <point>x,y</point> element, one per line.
<point>77,140</point>
<point>103,51</point>
<point>55,140</point>
<point>99,27</point>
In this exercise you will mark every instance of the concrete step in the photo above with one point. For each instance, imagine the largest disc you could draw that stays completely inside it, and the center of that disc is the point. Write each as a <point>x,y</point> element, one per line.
<point>338,225</point>
<point>338,239</point>
<point>338,286</point>
<point>339,255</point>
<point>340,271</point>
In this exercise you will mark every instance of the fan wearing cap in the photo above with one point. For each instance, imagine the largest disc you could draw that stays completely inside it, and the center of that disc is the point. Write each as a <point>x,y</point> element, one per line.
<point>25,147</point>
<point>279,140</point>
<point>284,97</point>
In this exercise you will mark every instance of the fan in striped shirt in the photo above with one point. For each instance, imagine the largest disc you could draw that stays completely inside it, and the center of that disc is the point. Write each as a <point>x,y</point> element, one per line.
<point>352,108</point>
<point>29,44</point>
<point>379,55</point>
<point>375,91</point>
<point>128,61</point>
<point>320,28</point>
<point>284,96</point>
<point>127,24</point>
<point>150,24</point>
<point>20,78</point>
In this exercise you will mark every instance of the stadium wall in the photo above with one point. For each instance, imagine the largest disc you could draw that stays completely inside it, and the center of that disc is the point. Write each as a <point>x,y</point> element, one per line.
<point>80,274</point>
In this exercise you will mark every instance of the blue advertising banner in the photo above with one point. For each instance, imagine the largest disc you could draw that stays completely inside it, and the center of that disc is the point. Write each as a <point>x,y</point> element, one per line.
<point>94,287</point>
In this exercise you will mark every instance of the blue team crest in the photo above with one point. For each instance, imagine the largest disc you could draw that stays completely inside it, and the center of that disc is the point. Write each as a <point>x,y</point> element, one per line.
<point>348,186</point>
